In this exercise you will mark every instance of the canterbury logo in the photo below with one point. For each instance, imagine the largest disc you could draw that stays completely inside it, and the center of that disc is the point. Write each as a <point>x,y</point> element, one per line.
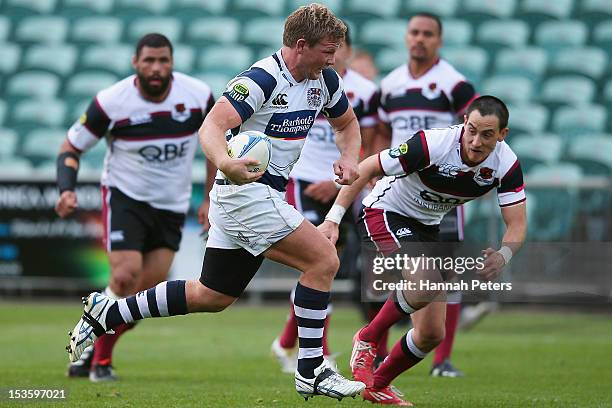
<point>280,100</point>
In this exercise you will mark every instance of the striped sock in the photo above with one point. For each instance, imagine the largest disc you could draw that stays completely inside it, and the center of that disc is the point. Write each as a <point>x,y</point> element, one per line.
<point>310,308</point>
<point>404,355</point>
<point>165,299</point>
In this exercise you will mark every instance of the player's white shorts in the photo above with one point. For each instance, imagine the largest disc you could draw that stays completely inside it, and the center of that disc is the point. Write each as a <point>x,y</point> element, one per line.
<point>253,216</point>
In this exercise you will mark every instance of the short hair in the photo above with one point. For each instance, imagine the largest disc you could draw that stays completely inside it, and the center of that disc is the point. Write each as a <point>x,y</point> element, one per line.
<point>433,16</point>
<point>153,40</point>
<point>313,23</point>
<point>490,105</point>
<point>347,37</point>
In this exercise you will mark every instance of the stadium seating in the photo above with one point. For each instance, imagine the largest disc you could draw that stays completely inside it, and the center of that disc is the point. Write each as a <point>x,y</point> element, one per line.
<point>335,5</point>
<point>223,60</point>
<point>529,62</point>
<point>140,7</point>
<point>5,28</point>
<point>470,61</point>
<point>58,59</point>
<point>33,83</point>
<point>169,26</point>
<point>254,8</point>
<point>264,32</point>
<point>595,10</point>
<point>87,84</point>
<point>506,33</point>
<point>15,167</point>
<point>567,90</point>
<point>555,35</point>
<point>8,147</point>
<point>10,54</point>
<point>528,118</point>
<point>476,11</point>
<point>41,144</point>
<point>556,194</point>
<point>390,58</point>
<point>217,81</point>
<point>594,156</point>
<point>115,58</point>
<point>85,8</point>
<point>42,29</point>
<point>443,8</point>
<point>513,89</point>
<point>580,120</point>
<point>20,8</point>
<point>537,149</point>
<point>368,9</point>
<point>39,112</point>
<point>602,36</point>
<point>3,111</point>
<point>587,61</point>
<point>184,57</point>
<point>535,11</point>
<point>212,30</point>
<point>377,33</point>
<point>97,30</point>
<point>457,33</point>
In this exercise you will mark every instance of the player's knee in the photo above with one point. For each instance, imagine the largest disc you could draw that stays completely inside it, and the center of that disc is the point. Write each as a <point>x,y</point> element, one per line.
<point>208,300</point>
<point>124,279</point>
<point>433,336</point>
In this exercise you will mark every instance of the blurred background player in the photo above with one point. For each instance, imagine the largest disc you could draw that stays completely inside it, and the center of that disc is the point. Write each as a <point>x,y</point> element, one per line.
<point>150,121</point>
<point>425,93</point>
<point>311,188</point>
<point>403,213</point>
<point>363,63</point>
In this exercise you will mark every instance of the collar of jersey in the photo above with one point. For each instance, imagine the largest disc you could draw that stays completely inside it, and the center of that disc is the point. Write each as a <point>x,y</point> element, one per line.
<point>285,70</point>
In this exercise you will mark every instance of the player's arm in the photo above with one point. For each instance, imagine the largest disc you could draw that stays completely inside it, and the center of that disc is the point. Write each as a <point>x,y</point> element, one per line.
<point>348,140</point>
<point>67,170</point>
<point>222,117</point>
<point>515,218</point>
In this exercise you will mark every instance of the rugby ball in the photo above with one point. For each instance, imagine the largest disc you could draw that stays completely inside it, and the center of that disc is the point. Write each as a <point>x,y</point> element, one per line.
<point>251,144</point>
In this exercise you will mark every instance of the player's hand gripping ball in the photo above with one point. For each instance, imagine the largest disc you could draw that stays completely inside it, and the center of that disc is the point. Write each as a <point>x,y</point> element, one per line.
<point>252,144</point>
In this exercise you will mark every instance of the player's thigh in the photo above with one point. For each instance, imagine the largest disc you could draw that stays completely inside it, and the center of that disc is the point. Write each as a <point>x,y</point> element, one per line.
<point>126,270</point>
<point>228,271</point>
<point>304,249</point>
<point>156,265</point>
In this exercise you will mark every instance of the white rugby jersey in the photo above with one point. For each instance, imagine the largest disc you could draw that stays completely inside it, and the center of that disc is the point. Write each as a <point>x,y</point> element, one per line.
<point>433,100</point>
<point>150,145</point>
<point>271,101</point>
<point>320,150</point>
<point>426,177</point>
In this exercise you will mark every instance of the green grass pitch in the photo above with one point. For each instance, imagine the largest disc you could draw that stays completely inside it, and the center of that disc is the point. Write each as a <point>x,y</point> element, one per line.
<point>512,359</point>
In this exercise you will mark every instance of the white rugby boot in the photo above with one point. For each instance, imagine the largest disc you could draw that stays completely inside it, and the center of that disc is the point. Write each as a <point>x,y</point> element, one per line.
<point>327,382</point>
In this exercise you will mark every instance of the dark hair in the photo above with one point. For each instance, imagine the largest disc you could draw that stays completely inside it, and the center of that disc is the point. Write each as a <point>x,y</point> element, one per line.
<point>153,40</point>
<point>490,105</point>
<point>433,16</point>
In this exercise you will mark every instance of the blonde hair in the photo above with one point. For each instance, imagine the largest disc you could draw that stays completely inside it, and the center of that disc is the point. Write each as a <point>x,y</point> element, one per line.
<point>313,23</point>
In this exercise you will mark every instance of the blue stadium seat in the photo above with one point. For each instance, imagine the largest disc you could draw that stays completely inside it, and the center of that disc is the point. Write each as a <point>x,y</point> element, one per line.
<point>114,58</point>
<point>592,154</point>
<point>265,53</point>
<point>528,118</point>
<point>456,32</point>
<point>10,55</point>
<point>17,9</point>
<point>580,120</point>
<point>42,29</point>
<point>97,30</point>
<point>188,10</point>
<point>555,35</point>
<point>557,199</point>
<point>213,30</point>
<point>184,58</point>
<point>535,11</point>
<point>5,28</point>
<point>390,58</point>
<point>39,112</point>
<point>334,5</point>
<point>169,26</point>
<point>59,59</point>
<point>588,61</point>
<point>12,166</point>
<point>595,10</point>
<point>602,36</point>
<point>479,10</point>
<point>8,146</point>
<point>217,82</point>
<point>505,33</point>
<point>85,8</point>
<point>470,61</point>
<point>567,90</point>
<point>529,62</point>
<point>606,96</point>
<point>140,7</point>
<point>365,9</point>
<point>87,84</point>
<point>32,84</point>
<point>537,149</point>
<point>383,32</point>
<point>264,32</point>
<point>512,89</point>
<point>42,143</point>
<point>3,110</point>
<point>225,60</point>
<point>443,8</point>
<point>258,8</point>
